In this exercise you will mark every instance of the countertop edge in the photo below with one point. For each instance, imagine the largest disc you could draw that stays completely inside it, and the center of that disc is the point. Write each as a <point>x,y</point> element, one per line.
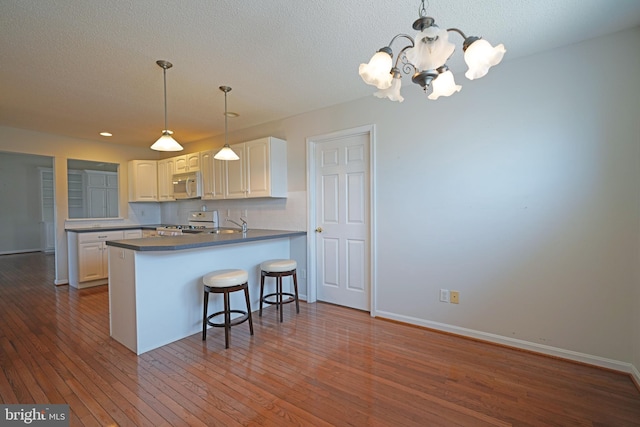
<point>197,241</point>
<point>114,228</point>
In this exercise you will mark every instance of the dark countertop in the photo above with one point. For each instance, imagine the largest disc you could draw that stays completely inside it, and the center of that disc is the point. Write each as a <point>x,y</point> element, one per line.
<point>202,240</point>
<point>116,228</point>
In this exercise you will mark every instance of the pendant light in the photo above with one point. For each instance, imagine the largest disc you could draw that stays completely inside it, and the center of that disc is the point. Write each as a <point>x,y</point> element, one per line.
<point>166,141</point>
<point>226,153</point>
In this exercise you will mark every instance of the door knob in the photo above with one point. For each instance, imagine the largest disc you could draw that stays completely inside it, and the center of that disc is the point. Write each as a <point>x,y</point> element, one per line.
<point>319,230</point>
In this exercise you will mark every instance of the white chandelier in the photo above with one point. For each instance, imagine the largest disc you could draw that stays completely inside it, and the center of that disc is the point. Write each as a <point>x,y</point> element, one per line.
<point>426,57</point>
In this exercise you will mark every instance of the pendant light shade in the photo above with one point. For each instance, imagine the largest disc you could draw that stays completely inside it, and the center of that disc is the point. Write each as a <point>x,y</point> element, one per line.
<point>226,153</point>
<point>166,141</point>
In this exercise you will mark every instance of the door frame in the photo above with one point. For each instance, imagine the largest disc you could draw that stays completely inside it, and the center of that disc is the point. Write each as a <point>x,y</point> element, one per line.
<point>312,142</point>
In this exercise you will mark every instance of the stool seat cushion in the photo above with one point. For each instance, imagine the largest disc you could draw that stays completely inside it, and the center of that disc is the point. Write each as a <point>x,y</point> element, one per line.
<point>278,265</point>
<point>225,278</point>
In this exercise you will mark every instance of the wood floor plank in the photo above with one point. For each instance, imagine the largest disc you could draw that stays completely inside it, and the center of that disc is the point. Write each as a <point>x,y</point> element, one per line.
<point>326,366</point>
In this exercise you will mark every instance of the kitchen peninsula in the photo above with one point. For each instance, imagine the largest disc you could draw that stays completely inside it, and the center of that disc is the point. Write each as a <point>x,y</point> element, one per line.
<point>155,287</point>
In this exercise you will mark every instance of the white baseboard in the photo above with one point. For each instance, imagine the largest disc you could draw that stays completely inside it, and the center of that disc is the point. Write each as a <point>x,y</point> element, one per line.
<point>22,251</point>
<point>521,344</point>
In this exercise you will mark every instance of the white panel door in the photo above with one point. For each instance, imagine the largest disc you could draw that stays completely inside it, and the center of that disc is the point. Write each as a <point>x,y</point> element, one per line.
<point>342,216</point>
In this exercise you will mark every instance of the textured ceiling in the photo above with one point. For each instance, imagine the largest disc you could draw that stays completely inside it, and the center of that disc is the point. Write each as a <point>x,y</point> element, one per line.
<point>78,67</point>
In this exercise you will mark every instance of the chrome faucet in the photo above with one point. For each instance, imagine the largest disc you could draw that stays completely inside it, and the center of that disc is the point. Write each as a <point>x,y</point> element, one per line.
<point>243,226</point>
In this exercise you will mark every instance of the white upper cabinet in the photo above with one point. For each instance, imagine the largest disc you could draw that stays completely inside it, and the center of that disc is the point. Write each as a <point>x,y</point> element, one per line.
<point>261,170</point>
<point>235,186</point>
<point>187,163</point>
<point>143,181</point>
<point>213,178</point>
<point>166,169</point>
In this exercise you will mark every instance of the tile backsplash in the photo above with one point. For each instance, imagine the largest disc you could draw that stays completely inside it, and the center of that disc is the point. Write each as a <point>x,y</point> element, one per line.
<point>271,214</point>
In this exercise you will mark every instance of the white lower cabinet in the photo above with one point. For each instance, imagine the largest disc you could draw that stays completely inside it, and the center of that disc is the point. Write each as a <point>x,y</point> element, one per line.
<point>92,261</point>
<point>88,257</point>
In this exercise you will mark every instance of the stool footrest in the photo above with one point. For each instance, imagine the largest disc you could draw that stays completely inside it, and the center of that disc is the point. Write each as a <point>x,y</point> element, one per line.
<point>238,320</point>
<point>291,298</point>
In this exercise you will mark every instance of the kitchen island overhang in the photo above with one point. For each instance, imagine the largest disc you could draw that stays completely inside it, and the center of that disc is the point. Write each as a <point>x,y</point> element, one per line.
<point>155,284</point>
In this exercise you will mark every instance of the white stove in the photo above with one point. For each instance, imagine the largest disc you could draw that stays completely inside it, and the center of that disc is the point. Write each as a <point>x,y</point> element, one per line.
<point>203,220</point>
<point>169,230</point>
<point>199,221</point>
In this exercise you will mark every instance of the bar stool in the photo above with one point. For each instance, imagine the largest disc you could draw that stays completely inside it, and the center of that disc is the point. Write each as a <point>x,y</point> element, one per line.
<point>225,282</point>
<point>279,268</point>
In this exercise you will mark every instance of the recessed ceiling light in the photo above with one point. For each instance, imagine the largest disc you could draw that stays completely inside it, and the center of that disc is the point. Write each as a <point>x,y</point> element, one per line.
<point>105,134</point>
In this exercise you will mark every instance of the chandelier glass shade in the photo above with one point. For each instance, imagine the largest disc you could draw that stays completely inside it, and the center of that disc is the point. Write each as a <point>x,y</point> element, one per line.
<point>424,58</point>
<point>226,153</point>
<point>166,141</point>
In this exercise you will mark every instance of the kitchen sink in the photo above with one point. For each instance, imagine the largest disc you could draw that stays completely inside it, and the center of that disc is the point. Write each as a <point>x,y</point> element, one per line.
<point>223,231</point>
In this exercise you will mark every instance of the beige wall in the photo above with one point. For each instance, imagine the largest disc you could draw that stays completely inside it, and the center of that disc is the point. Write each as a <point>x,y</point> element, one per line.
<point>521,192</point>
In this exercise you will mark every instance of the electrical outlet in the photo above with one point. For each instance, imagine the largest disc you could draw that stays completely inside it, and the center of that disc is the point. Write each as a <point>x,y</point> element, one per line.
<point>444,295</point>
<point>455,297</point>
<point>303,273</point>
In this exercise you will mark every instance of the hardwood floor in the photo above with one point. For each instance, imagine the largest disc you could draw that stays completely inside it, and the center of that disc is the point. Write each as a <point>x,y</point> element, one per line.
<point>326,366</point>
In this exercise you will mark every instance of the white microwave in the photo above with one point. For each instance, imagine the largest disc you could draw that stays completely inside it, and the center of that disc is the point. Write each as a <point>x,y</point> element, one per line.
<point>187,185</point>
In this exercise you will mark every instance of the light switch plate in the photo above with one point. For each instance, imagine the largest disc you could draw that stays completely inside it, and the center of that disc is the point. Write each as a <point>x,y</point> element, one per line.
<point>444,295</point>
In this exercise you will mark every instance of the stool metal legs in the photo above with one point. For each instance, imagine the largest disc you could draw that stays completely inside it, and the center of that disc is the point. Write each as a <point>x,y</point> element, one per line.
<point>278,294</point>
<point>228,323</point>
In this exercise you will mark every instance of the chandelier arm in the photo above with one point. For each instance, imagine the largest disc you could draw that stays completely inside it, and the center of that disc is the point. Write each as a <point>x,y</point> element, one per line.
<point>399,56</point>
<point>456,30</point>
<point>406,36</point>
<point>407,66</point>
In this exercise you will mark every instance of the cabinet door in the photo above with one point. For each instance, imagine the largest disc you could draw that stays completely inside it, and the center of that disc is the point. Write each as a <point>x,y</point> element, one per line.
<point>91,261</point>
<point>112,180</point>
<point>180,164</point>
<point>193,162</point>
<point>213,177</point>
<point>112,202</point>
<point>96,179</point>
<point>187,163</point>
<point>166,169</point>
<point>258,173</point>
<point>97,202</point>
<point>235,174</point>
<point>143,181</point>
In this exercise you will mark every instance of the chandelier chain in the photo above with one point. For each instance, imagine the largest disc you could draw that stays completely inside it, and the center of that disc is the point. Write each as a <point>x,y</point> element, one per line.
<point>422,10</point>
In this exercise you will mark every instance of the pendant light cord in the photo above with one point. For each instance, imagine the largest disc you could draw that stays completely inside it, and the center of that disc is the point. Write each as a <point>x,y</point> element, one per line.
<point>164,72</point>
<point>226,117</point>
